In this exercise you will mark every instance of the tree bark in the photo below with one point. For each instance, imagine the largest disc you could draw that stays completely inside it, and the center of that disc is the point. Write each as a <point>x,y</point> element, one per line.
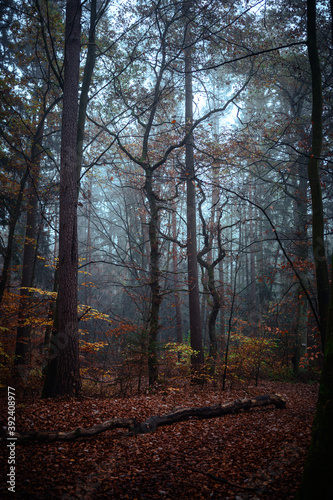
<point>86,82</point>
<point>222,304</point>
<point>197,358</point>
<point>155,289</point>
<point>14,217</point>
<point>29,251</point>
<point>213,297</point>
<point>154,422</point>
<point>318,471</point>
<point>179,331</point>
<point>63,372</point>
<point>301,251</point>
<point>317,476</point>
<point>253,270</point>
<point>318,243</point>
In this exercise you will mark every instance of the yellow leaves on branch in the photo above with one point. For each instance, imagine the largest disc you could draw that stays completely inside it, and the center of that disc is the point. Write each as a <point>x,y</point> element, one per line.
<point>91,346</point>
<point>86,313</point>
<point>40,291</point>
<point>89,284</point>
<point>182,348</point>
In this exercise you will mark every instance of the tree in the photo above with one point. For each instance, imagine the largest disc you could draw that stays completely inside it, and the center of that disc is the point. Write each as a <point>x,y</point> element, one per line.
<point>317,476</point>
<point>197,358</point>
<point>141,120</point>
<point>318,244</point>
<point>213,296</point>
<point>63,374</point>
<point>29,251</point>
<point>36,68</point>
<point>178,329</point>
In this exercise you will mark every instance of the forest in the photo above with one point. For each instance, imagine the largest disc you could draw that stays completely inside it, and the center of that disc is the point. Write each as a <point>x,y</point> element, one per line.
<point>166,228</point>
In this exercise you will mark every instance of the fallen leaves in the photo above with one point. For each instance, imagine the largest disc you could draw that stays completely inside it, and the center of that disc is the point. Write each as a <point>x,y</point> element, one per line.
<point>254,455</point>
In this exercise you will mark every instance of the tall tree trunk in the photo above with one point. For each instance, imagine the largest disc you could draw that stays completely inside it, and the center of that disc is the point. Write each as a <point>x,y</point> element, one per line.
<point>222,303</point>
<point>29,251</point>
<point>215,308</point>
<point>53,304</point>
<point>155,291</point>
<point>63,370</point>
<point>83,103</point>
<point>213,297</point>
<point>317,476</point>
<point>197,358</point>
<point>86,82</point>
<point>87,290</point>
<point>179,331</point>
<point>253,288</point>
<point>301,224</point>
<point>14,216</point>
<point>318,243</point>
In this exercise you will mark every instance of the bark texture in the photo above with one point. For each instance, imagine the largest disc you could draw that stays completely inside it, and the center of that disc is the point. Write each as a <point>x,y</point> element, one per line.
<point>155,289</point>
<point>318,470</point>
<point>86,82</point>
<point>29,251</point>
<point>197,358</point>
<point>14,216</point>
<point>318,242</point>
<point>213,297</point>
<point>179,331</point>
<point>62,374</point>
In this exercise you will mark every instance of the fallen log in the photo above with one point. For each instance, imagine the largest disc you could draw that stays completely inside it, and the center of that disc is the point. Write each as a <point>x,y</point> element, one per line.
<point>152,423</point>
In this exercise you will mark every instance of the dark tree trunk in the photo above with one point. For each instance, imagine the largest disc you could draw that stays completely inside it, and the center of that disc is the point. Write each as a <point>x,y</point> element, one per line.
<point>212,317</point>
<point>213,297</point>
<point>63,371</point>
<point>29,251</point>
<point>301,251</point>
<point>14,216</point>
<point>197,358</point>
<point>155,291</point>
<point>86,82</point>
<point>318,471</point>
<point>222,304</point>
<point>83,104</point>
<point>253,286</point>
<point>179,331</point>
<point>318,243</point>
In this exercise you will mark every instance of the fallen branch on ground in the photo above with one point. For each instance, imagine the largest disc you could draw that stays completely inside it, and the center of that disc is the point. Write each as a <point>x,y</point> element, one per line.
<point>152,423</point>
<point>222,480</point>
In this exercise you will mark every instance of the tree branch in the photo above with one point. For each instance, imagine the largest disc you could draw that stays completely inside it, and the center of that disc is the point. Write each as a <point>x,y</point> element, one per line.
<point>152,423</point>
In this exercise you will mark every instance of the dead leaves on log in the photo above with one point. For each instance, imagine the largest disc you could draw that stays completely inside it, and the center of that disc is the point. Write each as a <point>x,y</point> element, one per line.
<point>152,423</point>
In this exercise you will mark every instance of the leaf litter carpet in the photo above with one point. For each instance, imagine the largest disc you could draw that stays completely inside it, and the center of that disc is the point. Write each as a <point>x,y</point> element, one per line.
<point>255,455</point>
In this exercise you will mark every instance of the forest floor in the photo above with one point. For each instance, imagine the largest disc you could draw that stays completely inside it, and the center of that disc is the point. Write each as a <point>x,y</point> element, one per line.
<point>255,455</point>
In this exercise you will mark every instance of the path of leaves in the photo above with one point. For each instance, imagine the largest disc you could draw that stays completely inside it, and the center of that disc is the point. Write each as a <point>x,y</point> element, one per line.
<point>262,450</point>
